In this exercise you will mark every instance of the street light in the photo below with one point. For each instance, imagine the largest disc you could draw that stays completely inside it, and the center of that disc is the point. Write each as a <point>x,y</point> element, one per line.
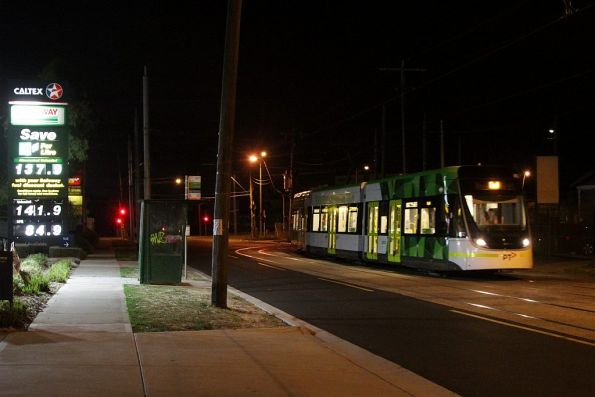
<point>365,168</point>
<point>254,158</point>
<point>526,174</point>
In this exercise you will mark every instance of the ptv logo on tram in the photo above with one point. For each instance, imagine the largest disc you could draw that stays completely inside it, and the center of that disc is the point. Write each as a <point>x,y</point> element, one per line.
<point>508,256</point>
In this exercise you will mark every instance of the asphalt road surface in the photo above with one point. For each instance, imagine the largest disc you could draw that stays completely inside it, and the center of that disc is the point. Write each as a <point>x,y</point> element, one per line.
<point>475,335</point>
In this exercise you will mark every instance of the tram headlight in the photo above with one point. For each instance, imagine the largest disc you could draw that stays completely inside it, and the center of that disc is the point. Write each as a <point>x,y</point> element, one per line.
<point>481,242</point>
<point>526,242</point>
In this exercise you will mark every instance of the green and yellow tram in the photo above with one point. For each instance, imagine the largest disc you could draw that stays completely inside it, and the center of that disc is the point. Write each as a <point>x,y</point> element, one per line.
<point>454,218</point>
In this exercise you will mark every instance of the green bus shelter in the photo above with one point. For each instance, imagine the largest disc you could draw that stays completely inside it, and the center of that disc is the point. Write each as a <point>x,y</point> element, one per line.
<point>162,241</point>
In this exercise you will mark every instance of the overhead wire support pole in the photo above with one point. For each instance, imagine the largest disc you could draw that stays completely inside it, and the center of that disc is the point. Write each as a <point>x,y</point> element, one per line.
<point>224,155</point>
<point>442,158</point>
<point>146,138</point>
<point>136,177</point>
<point>402,69</point>
<point>131,225</point>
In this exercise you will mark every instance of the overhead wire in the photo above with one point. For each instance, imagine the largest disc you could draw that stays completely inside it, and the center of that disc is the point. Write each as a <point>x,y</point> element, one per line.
<point>452,71</point>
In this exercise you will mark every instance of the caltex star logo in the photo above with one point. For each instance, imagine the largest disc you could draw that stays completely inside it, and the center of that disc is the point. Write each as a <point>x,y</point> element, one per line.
<point>54,91</point>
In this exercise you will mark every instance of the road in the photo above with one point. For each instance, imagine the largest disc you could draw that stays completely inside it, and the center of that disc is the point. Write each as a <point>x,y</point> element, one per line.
<point>475,335</point>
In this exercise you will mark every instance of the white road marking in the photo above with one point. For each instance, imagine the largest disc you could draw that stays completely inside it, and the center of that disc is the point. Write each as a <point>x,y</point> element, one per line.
<point>525,328</point>
<point>346,284</point>
<point>272,267</point>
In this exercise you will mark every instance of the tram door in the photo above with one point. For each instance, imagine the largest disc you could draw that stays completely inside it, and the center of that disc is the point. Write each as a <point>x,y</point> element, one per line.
<point>332,229</point>
<point>394,231</point>
<point>372,248</point>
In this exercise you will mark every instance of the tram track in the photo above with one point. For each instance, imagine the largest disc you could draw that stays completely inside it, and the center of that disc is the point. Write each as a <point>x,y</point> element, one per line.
<point>492,299</point>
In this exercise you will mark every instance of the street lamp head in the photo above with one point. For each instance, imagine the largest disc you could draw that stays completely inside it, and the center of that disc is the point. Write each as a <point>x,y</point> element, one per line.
<point>178,181</point>
<point>527,173</point>
<point>366,168</point>
<point>263,154</point>
<point>253,158</point>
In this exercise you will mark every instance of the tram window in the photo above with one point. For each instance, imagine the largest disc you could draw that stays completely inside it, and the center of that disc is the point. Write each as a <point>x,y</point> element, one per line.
<point>383,224</point>
<point>316,220</point>
<point>352,226</point>
<point>324,220</point>
<point>342,227</point>
<point>410,220</point>
<point>455,222</point>
<point>428,221</point>
<point>489,211</point>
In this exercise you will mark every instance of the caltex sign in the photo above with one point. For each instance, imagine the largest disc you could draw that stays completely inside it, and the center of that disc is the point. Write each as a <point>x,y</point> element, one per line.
<point>52,91</point>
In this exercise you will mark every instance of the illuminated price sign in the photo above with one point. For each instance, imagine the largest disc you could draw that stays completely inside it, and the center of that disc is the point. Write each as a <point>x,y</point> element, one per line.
<point>37,208</point>
<point>37,218</point>
<point>38,230</point>
<point>38,150</point>
<point>38,169</point>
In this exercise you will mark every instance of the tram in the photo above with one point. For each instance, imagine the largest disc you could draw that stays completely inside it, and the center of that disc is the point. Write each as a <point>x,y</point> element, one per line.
<point>450,219</point>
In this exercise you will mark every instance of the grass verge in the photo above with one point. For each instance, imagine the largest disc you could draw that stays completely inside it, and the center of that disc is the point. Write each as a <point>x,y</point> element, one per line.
<point>155,308</point>
<point>129,272</point>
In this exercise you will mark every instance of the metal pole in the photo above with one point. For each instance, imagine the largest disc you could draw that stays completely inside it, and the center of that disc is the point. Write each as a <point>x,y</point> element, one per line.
<point>460,147</point>
<point>441,143</point>
<point>130,191</point>
<point>146,136</point>
<point>235,209</point>
<point>260,199</point>
<point>290,184</point>
<point>185,255</point>
<point>402,70</point>
<point>252,220</point>
<point>136,177</point>
<point>224,155</point>
<point>383,141</point>
<point>403,151</point>
<point>424,148</point>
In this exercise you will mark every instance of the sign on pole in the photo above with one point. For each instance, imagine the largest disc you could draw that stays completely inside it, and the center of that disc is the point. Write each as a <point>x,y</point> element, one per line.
<point>192,187</point>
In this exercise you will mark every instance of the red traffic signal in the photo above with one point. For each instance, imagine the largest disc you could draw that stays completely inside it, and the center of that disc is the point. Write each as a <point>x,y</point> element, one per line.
<point>122,211</point>
<point>205,219</point>
<point>119,221</point>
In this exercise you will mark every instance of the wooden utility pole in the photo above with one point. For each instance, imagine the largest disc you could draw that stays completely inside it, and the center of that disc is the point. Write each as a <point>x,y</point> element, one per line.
<point>224,155</point>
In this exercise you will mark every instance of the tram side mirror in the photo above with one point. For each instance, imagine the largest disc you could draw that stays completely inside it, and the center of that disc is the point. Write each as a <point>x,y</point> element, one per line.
<point>461,234</point>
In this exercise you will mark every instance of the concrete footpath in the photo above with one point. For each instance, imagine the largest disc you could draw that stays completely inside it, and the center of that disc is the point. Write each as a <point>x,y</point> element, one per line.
<point>82,345</point>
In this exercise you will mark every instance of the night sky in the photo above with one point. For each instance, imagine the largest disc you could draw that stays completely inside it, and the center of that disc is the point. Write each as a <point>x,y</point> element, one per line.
<point>499,77</point>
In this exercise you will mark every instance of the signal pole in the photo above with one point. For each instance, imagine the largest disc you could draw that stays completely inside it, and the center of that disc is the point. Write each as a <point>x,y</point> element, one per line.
<point>224,155</point>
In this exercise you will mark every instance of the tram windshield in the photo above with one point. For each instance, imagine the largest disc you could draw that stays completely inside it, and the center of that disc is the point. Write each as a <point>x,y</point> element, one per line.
<point>496,212</point>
